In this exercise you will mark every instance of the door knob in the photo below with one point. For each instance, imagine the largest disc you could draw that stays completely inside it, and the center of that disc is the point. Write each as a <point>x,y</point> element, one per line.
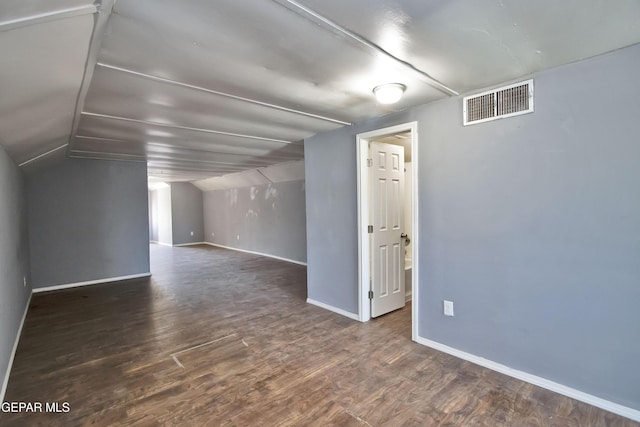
<point>406,238</point>
<point>403,236</point>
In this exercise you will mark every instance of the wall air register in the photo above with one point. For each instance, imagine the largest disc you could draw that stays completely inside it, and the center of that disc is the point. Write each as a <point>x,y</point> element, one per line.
<point>499,103</point>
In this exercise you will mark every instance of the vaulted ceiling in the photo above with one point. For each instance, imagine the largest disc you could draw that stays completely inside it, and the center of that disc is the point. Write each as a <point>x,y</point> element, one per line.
<point>203,88</point>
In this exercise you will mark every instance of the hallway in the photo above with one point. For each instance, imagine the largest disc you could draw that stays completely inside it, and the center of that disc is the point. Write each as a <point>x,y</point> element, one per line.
<point>218,337</point>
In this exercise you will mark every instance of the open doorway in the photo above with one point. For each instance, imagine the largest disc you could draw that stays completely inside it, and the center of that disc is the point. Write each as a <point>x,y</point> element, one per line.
<point>387,220</point>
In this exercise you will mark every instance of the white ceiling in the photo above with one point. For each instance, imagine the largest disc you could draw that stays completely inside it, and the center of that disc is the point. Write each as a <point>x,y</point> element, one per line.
<point>204,88</point>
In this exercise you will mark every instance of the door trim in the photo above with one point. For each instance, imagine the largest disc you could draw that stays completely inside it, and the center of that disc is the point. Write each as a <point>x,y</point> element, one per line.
<point>364,249</point>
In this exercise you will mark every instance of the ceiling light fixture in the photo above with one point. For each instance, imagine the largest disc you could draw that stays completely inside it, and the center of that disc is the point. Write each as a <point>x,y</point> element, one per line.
<point>389,93</point>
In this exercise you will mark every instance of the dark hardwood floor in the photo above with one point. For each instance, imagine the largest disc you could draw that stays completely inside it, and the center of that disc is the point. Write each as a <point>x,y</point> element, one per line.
<point>223,338</point>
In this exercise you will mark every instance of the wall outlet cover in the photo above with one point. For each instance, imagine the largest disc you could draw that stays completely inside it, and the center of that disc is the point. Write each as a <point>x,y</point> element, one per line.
<point>448,308</point>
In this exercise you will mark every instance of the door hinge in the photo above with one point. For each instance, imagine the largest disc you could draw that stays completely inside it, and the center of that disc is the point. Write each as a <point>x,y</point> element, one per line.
<point>370,294</point>
<point>370,229</point>
<point>369,163</point>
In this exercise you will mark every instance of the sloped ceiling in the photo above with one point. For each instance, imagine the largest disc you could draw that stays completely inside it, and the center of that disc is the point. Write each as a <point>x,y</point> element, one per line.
<point>202,88</point>
<point>42,67</point>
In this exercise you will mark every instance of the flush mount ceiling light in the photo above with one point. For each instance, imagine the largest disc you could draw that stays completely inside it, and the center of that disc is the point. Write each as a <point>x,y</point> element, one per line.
<point>389,93</point>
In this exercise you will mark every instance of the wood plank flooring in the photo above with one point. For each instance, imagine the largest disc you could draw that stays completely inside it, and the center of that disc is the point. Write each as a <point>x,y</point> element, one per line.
<point>223,338</point>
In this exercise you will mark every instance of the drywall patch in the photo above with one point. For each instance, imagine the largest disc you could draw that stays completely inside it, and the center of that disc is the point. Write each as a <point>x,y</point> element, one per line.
<point>253,193</point>
<point>271,193</point>
<point>232,196</point>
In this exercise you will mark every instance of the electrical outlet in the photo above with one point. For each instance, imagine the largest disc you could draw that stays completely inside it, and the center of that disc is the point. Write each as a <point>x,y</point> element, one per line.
<point>238,237</point>
<point>448,308</point>
<point>213,234</point>
<point>192,233</point>
<point>24,281</point>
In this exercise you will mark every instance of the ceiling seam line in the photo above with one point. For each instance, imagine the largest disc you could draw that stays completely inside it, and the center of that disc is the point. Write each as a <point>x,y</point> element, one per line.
<point>156,154</point>
<point>48,17</point>
<point>186,171</point>
<point>230,164</point>
<point>224,94</point>
<point>103,139</point>
<point>254,163</point>
<point>160,158</point>
<point>162,163</point>
<point>26,162</point>
<point>265,176</point>
<point>103,158</point>
<point>146,122</point>
<point>154,143</point>
<point>362,40</point>
<point>292,156</point>
<point>108,154</point>
<point>201,164</point>
<point>196,169</point>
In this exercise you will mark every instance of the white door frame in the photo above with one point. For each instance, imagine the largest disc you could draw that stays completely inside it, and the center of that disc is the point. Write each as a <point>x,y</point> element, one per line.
<point>364,249</point>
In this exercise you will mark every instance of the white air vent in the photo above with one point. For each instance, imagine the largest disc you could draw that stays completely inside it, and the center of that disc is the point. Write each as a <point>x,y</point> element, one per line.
<point>498,103</point>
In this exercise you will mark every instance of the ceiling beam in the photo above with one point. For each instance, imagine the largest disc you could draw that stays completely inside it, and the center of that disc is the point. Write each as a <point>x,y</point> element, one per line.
<point>165,125</point>
<point>48,17</point>
<point>99,31</point>
<point>224,94</point>
<point>336,28</point>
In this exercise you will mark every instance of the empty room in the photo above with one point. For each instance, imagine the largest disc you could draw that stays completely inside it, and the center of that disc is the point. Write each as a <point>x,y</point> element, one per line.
<point>319,213</point>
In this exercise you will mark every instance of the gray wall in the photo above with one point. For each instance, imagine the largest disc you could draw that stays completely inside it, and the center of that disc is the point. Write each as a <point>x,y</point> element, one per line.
<point>530,225</point>
<point>269,219</point>
<point>186,213</point>
<point>332,213</point>
<point>14,258</point>
<point>88,220</point>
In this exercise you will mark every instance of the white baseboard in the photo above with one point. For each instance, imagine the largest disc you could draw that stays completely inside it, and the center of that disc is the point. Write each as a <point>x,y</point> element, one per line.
<point>189,244</point>
<point>5,382</point>
<point>256,253</point>
<point>160,243</point>
<point>334,309</point>
<point>407,296</point>
<point>607,405</point>
<point>91,282</point>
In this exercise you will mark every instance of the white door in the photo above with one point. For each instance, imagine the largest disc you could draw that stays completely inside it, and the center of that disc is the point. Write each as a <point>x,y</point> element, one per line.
<point>387,218</point>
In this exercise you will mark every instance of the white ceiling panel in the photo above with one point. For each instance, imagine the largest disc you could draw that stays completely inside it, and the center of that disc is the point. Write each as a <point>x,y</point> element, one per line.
<point>26,10</point>
<point>153,151</point>
<point>121,94</point>
<point>41,74</point>
<point>201,88</point>
<point>470,44</point>
<point>256,49</point>
<point>98,128</point>
<point>168,71</point>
